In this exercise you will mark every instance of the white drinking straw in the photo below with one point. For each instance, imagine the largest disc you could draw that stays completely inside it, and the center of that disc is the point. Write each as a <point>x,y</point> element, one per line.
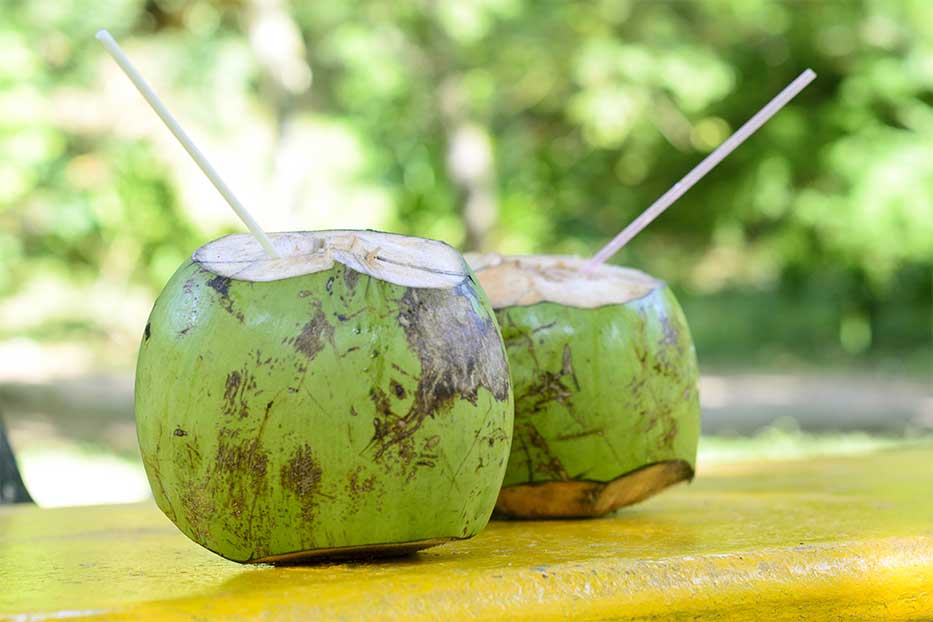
<point>717,156</point>
<point>146,91</point>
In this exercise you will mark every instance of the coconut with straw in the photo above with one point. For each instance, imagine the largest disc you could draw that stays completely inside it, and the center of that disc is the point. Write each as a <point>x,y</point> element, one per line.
<point>320,394</point>
<point>604,370</point>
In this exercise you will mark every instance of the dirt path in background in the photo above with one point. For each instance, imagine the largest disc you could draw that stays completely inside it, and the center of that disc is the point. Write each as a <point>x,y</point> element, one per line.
<point>744,403</point>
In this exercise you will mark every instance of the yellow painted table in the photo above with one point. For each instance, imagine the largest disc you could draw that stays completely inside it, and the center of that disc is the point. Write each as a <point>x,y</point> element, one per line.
<point>828,539</point>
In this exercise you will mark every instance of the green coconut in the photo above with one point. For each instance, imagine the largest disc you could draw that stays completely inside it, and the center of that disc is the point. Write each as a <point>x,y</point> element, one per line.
<point>605,379</point>
<point>350,399</point>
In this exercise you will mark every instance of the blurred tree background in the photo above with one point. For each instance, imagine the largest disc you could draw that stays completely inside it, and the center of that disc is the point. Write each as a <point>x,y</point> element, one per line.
<point>504,125</point>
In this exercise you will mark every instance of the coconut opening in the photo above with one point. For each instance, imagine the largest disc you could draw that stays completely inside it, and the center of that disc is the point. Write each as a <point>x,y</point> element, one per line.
<point>399,259</point>
<point>529,279</point>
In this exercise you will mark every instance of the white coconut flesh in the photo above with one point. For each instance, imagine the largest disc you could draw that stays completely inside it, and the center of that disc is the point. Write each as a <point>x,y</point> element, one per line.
<point>529,279</point>
<point>399,259</point>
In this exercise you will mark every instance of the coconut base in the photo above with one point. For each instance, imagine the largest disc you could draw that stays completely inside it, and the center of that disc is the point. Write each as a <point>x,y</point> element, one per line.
<point>352,552</point>
<point>584,499</point>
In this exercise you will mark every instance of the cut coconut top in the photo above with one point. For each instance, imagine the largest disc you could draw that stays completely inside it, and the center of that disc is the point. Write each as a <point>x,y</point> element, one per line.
<point>399,259</point>
<point>526,280</point>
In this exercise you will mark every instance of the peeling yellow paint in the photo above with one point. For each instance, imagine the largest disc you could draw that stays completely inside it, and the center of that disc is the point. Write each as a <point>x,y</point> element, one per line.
<point>828,539</point>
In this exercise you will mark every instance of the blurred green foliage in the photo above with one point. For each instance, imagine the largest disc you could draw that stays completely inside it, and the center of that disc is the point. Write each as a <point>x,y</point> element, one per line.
<point>507,125</point>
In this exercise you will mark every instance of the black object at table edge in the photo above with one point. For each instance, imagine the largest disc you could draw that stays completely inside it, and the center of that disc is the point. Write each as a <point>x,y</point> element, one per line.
<point>12,488</point>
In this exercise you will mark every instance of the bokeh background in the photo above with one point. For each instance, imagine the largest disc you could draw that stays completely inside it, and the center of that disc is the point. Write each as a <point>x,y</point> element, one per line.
<point>804,261</point>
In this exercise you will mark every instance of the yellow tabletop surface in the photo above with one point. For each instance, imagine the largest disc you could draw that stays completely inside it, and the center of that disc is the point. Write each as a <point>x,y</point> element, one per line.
<point>823,539</point>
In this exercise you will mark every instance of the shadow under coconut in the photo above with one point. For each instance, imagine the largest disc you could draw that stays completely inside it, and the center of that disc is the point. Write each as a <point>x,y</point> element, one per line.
<point>353,554</point>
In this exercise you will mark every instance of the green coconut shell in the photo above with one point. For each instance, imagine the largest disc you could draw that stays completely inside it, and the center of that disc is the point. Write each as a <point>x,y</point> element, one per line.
<point>330,414</point>
<point>606,405</point>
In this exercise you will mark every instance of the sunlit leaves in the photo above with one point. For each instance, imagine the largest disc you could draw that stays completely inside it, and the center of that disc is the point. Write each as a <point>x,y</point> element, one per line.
<point>591,111</point>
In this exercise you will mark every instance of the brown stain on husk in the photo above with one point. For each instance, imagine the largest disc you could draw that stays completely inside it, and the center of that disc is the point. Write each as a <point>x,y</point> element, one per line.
<point>301,475</point>
<point>459,349</point>
<point>221,285</point>
<point>236,386</point>
<point>315,334</point>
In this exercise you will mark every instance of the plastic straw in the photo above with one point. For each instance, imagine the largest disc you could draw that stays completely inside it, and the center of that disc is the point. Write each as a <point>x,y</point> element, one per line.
<point>146,91</point>
<point>717,156</point>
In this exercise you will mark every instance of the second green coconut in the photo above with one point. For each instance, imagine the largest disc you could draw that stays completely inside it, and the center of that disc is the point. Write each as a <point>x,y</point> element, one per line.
<point>605,379</point>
